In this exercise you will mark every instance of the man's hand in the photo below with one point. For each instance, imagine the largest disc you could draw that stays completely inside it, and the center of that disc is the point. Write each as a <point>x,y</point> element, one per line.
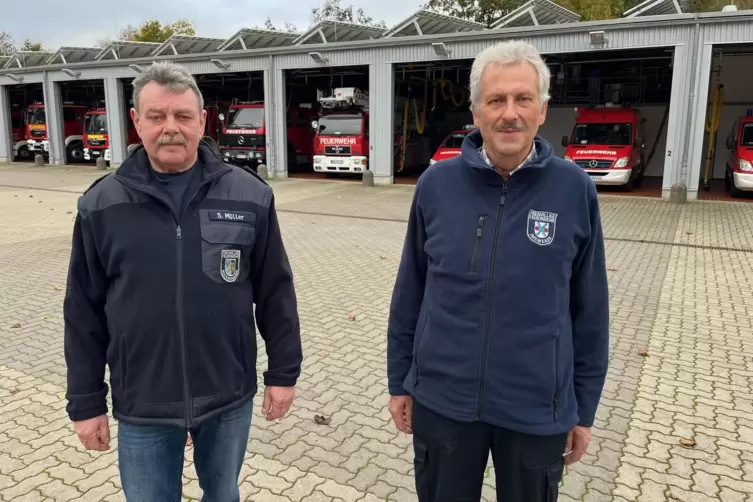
<point>277,401</point>
<point>577,442</point>
<point>401,409</point>
<point>93,433</point>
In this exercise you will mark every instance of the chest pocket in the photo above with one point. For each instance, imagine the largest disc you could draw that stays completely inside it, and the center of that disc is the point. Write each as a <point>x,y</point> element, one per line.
<point>227,240</point>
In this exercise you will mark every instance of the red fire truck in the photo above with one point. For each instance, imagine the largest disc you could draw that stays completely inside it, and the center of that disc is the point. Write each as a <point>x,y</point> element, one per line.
<point>608,142</point>
<point>451,145</point>
<point>738,173</point>
<point>97,137</point>
<point>73,131</point>
<point>342,131</point>
<point>18,134</point>
<point>243,138</point>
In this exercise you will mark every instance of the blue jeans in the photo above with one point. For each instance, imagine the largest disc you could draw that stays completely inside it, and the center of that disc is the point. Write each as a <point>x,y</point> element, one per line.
<point>151,458</point>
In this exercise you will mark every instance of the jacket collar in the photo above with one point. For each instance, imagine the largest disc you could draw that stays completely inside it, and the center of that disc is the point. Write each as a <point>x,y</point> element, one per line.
<point>472,156</point>
<point>136,166</point>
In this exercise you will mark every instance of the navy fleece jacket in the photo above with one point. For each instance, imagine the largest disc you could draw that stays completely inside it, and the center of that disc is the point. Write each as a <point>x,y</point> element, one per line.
<point>500,311</point>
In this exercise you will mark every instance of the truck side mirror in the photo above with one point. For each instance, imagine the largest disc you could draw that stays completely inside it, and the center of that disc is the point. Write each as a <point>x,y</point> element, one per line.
<point>565,141</point>
<point>730,143</point>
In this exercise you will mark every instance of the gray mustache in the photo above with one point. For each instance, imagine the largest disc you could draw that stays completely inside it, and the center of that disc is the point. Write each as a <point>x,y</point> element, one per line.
<point>177,139</point>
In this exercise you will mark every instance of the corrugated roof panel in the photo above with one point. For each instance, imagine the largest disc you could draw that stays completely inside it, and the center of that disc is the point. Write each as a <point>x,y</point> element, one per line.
<point>184,44</point>
<point>427,22</point>
<point>125,49</point>
<point>257,39</point>
<point>654,8</point>
<point>536,13</point>
<point>66,55</point>
<point>327,31</point>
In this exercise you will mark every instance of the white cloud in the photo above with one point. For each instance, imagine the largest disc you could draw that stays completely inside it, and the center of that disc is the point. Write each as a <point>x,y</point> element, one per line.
<point>59,23</point>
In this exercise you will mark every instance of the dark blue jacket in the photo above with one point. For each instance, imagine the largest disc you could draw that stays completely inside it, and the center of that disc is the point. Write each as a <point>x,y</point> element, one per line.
<point>500,311</point>
<point>167,300</point>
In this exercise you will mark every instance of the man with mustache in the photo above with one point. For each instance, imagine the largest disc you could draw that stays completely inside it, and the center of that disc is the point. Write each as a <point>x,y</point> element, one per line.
<point>498,334</point>
<point>170,255</point>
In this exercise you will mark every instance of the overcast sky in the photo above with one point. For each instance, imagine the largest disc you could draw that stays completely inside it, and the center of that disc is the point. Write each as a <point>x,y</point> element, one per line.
<point>81,23</point>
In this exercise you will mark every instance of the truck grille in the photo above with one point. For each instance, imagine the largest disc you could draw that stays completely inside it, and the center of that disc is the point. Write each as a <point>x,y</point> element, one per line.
<point>336,150</point>
<point>37,133</point>
<point>242,140</point>
<point>95,142</point>
<point>599,164</point>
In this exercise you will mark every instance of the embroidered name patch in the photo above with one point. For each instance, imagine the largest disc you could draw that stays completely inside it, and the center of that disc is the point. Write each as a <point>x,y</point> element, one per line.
<point>239,216</point>
<point>541,226</point>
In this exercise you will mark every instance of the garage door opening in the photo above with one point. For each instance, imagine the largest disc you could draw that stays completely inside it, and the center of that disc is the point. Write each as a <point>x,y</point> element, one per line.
<point>726,171</point>
<point>27,120</point>
<point>327,113</point>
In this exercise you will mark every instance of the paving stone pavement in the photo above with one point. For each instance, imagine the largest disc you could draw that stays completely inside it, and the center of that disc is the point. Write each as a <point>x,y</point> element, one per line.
<point>681,353</point>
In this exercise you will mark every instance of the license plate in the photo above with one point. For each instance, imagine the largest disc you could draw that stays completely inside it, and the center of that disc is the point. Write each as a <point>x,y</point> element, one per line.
<point>340,162</point>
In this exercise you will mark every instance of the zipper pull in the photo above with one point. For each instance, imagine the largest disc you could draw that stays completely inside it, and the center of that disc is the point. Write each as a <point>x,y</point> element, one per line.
<point>480,227</point>
<point>179,232</point>
<point>504,194</point>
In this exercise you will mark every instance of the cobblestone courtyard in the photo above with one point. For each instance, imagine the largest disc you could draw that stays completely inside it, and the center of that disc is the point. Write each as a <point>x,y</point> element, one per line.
<point>675,423</point>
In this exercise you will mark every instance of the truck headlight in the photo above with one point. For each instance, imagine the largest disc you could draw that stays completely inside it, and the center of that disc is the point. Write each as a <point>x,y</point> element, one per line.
<point>744,165</point>
<point>432,161</point>
<point>622,162</point>
<point>567,158</point>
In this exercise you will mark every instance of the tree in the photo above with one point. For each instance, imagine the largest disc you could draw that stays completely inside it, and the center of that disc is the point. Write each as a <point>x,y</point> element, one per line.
<point>32,46</point>
<point>152,31</point>
<point>716,5</point>
<point>332,10</point>
<point>7,46</point>
<point>288,27</point>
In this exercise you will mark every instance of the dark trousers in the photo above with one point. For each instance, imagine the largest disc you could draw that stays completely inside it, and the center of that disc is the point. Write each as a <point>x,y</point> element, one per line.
<point>151,458</point>
<point>451,457</point>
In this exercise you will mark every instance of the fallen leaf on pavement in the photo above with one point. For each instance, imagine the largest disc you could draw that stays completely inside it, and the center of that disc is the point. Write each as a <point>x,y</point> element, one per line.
<point>688,443</point>
<point>322,420</point>
<point>17,325</point>
<point>352,317</point>
<point>643,352</point>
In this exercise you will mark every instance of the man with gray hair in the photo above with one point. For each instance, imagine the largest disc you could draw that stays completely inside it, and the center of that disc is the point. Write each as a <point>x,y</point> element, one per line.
<point>498,336</point>
<point>170,255</point>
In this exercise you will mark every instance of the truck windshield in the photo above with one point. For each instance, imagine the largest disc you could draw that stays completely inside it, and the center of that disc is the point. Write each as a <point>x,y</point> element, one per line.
<point>602,134</point>
<point>252,118</point>
<point>96,124</point>
<point>37,116</point>
<point>340,125</point>
<point>746,138</point>
<point>454,140</point>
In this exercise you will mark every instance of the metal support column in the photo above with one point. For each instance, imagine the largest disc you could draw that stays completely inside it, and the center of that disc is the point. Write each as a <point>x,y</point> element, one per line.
<point>682,103</point>
<point>53,106</point>
<point>697,122</point>
<point>6,139</point>
<point>381,122</point>
<point>116,120</point>
<point>276,120</point>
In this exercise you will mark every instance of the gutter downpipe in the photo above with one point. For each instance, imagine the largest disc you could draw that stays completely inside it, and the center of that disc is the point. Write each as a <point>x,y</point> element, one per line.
<point>679,191</point>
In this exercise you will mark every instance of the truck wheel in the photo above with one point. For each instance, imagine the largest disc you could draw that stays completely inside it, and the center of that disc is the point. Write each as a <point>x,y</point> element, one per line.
<point>729,180</point>
<point>24,154</point>
<point>75,152</point>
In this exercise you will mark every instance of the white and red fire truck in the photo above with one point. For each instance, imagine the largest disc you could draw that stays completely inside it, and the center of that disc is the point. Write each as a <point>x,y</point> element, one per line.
<point>341,144</point>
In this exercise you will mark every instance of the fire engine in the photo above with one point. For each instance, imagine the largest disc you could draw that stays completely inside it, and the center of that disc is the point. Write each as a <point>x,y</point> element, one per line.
<point>608,143</point>
<point>243,138</point>
<point>452,144</point>
<point>18,133</point>
<point>73,130</point>
<point>342,131</point>
<point>97,137</point>
<point>738,172</point>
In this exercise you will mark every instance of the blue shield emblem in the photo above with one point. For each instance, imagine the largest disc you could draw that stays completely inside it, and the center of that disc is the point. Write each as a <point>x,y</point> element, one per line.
<point>541,226</point>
